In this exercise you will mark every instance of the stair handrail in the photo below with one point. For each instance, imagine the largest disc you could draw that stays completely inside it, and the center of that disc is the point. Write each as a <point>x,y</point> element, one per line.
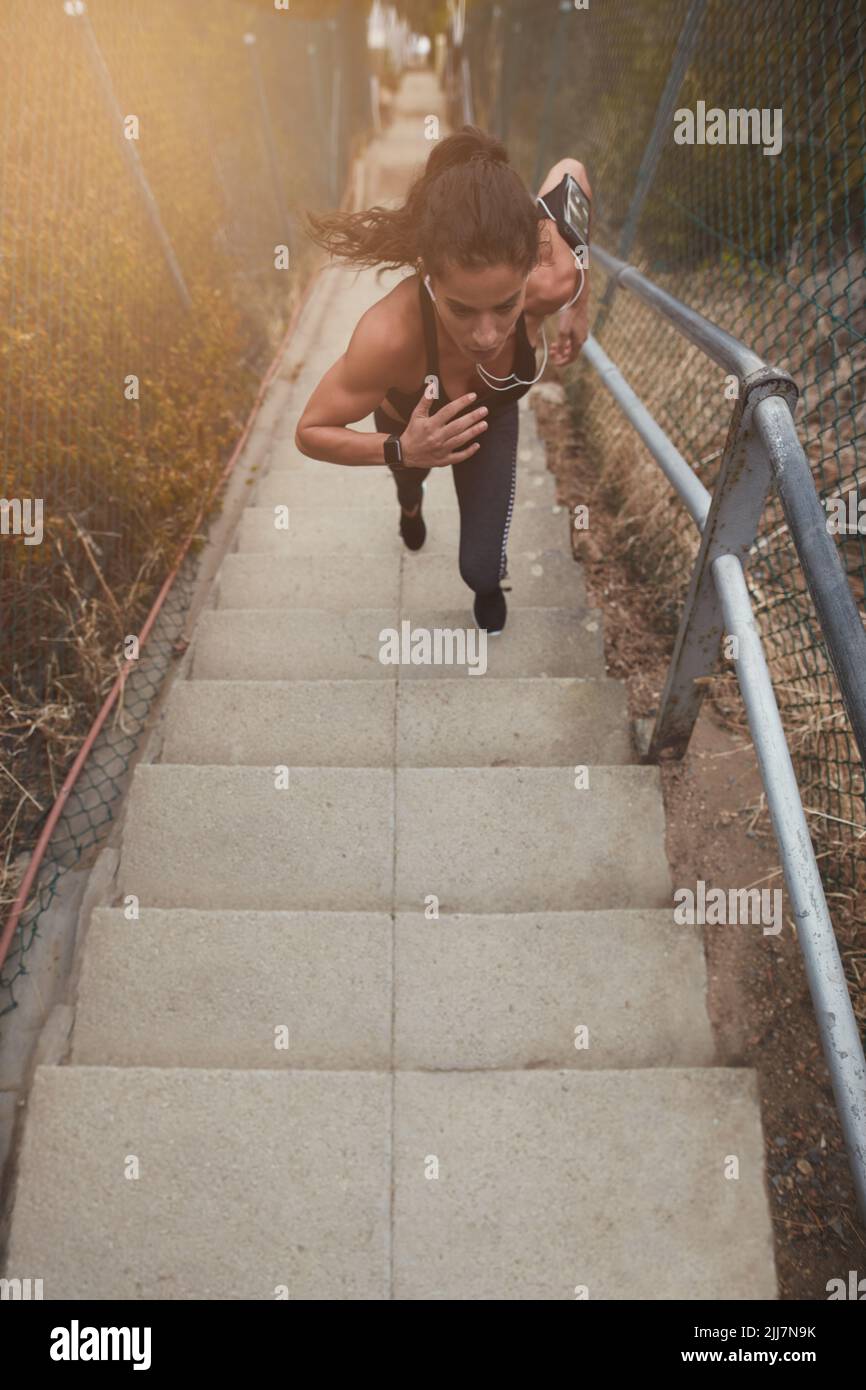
<point>762,448</point>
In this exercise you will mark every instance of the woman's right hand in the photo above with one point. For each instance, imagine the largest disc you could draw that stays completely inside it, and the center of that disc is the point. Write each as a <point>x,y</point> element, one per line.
<point>430,441</point>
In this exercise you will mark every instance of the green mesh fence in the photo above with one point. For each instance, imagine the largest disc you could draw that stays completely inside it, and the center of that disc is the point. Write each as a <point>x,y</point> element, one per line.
<point>770,247</point>
<point>246,115</point>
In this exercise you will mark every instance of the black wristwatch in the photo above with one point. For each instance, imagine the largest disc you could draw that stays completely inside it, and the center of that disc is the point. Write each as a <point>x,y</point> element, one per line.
<point>393,452</point>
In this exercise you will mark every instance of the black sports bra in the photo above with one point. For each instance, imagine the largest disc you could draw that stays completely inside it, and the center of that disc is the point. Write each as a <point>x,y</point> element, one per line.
<point>524,367</point>
<point>524,353</point>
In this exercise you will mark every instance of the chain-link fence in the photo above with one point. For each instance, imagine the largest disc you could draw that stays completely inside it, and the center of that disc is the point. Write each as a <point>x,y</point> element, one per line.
<point>766,242</point>
<point>154,159</point>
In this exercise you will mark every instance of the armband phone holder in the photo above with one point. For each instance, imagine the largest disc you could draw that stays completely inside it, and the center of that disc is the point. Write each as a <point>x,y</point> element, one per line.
<point>573,225</point>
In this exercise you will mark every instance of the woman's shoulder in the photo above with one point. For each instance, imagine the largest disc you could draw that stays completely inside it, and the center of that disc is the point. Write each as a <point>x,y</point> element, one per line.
<point>390,332</point>
<point>395,319</point>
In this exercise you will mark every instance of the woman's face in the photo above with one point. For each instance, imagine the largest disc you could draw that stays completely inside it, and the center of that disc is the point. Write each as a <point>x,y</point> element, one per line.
<point>479,308</point>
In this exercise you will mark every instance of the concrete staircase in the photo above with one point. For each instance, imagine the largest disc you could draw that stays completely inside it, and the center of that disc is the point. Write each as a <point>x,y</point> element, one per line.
<point>429,915</point>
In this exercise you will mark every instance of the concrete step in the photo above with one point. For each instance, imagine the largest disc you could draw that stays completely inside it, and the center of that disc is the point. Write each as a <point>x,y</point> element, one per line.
<point>552,1183</point>
<point>226,837</point>
<point>317,644</point>
<point>521,722</point>
<point>509,991</point>
<point>536,579</point>
<point>470,991</point>
<point>195,988</point>
<point>255,723</point>
<point>532,458</point>
<point>478,839</point>
<point>543,642</point>
<point>249,1180</point>
<point>284,429</point>
<point>546,1182</point>
<point>495,723</point>
<point>339,582</point>
<point>319,531</point>
<point>372,487</point>
<point>527,839</point>
<point>285,457</point>
<point>338,487</point>
<point>375,530</point>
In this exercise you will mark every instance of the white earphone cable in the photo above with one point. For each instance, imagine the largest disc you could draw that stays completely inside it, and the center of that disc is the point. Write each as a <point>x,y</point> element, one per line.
<point>517,381</point>
<point>512,380</point>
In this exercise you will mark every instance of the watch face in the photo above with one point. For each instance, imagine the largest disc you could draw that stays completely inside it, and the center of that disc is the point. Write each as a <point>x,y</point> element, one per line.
<point>392,450</point>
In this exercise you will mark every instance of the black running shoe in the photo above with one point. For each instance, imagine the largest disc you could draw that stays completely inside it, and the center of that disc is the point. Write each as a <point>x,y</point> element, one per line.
<point>490,611</point>
<point>412,528</point>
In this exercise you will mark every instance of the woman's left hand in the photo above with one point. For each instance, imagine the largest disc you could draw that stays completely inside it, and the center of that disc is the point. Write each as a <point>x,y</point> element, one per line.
<point>570,338</point>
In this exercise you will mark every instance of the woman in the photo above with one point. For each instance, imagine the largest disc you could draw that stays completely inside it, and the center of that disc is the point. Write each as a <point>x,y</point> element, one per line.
<point>443,358</point>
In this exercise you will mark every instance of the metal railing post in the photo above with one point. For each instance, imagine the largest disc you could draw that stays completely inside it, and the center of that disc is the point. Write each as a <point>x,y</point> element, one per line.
<point>78,11</point>
<point>731,526</point>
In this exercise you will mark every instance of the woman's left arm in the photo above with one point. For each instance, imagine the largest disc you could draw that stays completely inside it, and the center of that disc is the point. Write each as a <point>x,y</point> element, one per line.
<point>553,283</point>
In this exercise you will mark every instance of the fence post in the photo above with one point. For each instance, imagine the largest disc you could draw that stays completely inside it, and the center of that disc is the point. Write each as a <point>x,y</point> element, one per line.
<point>315,78</point>
<point>335,133</point>
<point>686,44</point>
<point>77,9</point>
<point>460,73</point>
<point>250,41</point>
<point>375,111</point>
<point>507,29</point>
<point>551,89</point>
<point>730,529</point>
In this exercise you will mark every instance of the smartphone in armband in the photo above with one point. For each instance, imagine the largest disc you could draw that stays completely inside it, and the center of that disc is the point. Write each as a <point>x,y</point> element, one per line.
<point>576,211</point>
<point>568,206</point>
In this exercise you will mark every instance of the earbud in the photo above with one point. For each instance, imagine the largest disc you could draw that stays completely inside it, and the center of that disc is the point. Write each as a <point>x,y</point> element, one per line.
<point>429,290</point>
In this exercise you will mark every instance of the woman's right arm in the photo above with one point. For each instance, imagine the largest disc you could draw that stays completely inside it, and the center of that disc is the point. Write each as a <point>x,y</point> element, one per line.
<point>348,391</point>
<point>355,385</point>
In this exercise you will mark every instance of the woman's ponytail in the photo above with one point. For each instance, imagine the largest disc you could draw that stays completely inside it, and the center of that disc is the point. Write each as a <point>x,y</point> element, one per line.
<point>469,207</point>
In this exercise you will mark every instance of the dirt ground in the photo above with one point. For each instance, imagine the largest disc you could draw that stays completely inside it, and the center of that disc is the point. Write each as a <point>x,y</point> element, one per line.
<point>717,831</point>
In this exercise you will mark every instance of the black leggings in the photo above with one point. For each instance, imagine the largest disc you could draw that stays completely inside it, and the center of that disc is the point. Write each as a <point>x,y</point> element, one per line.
<point>485,486</point>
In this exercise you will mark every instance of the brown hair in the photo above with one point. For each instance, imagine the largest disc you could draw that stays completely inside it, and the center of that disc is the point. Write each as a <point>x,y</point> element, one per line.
<point>469,207</point>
